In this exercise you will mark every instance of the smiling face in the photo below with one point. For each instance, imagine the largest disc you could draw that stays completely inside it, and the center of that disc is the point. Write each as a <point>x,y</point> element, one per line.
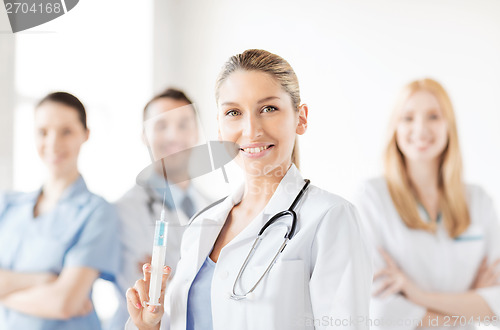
<point>256,113</point>
<point>170,128</point>
<point>59,134</point>
<point>422,129</point>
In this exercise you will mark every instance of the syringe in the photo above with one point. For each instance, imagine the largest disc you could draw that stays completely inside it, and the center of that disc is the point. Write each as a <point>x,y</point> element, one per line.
<point>158,260</point>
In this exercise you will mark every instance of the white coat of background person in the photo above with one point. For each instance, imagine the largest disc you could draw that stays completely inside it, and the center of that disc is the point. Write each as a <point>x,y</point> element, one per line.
<point>170,126</point>
<point>437,238</point>
<point>323,277</point>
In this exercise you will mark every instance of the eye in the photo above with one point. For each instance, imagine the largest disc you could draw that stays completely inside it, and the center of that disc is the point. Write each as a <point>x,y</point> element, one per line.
<point>269,108</point>
<point>159,126</point>
<point>42,132</point>
<point>66,131</point>
<point>232,113</point>
<point>433,116</point>
<point>407,118</point>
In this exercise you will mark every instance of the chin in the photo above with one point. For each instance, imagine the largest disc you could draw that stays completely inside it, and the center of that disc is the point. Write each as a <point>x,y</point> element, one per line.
<point>422,157</point>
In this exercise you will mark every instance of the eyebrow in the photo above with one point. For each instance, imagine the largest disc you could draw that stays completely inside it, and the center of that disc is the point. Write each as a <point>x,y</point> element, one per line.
<point>266,99</point>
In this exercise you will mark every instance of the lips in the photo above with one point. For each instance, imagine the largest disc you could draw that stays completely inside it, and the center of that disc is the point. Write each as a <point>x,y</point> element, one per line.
<point>255,150</point>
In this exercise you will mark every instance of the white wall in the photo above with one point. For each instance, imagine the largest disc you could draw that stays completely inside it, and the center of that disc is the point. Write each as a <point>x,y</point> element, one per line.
<point>352,57</point>
<point>7,99</point>
<point>101,52</point>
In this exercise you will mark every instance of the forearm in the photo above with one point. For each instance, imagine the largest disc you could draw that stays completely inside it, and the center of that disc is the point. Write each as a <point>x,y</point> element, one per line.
<point>15,281</point>
<point>47,301</point>
<point>468,304</point>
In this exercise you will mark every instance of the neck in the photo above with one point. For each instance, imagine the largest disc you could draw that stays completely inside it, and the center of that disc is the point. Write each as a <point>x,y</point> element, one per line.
<point>181,178</point>
<point>260,189</point>
<point>57,183</point>
<point>424,177</point>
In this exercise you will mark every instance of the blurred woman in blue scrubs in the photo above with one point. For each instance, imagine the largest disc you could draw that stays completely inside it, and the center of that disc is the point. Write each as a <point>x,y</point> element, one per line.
<point>437,237</point>
<point>55,242</point>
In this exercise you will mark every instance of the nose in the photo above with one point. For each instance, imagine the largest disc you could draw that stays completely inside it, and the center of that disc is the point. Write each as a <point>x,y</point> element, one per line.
<point>53,141</point>
<point>252,127</point>
<point>421,128</point>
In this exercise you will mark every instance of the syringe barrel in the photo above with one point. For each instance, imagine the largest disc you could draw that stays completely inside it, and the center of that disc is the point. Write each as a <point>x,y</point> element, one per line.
<point>160,233</point>
<point>157,262</point>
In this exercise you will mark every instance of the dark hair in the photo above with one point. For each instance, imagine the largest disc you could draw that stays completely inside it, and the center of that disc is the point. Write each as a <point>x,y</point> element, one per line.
<point>69,100</point>
<point>169,93</point>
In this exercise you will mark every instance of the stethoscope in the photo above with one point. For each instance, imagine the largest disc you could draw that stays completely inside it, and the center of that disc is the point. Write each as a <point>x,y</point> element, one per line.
<point>288,236</point>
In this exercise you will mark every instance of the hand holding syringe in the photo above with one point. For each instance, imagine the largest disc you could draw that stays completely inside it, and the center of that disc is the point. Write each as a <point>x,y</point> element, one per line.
<point>155,278</point>
<point>143,316</point>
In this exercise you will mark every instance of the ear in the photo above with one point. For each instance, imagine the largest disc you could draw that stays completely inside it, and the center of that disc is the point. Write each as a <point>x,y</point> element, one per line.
<point>143,138</point>
<point>87,134</point>
<point>302,124</point>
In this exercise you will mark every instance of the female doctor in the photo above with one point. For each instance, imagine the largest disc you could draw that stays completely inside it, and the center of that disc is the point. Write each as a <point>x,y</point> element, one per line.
<point>57,241</point>
<point>437,237</point>
<point>320,280</point>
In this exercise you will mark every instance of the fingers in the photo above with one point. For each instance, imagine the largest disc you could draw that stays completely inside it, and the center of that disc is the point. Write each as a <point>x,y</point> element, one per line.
<point>146,272</point>
<point>387,258</point>
<point>142,291</point>
<point>495,264</point>
<point>386,284</point>
<point>394,288</point>
<point>166,274</point>
<point>85,308</point>
<point>382,273</point>
<point>484,264</point>
<point>133,299</point>
<point>489,277</point>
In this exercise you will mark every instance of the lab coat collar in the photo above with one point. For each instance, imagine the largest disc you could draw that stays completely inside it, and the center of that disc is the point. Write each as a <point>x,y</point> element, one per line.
<point>285,194</point>
<point>288,188</point>
<point>282,198</point>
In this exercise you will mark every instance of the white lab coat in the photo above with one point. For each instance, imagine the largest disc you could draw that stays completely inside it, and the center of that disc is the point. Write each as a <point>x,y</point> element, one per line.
<point>322,278</point>
<point>435,262</point>
<point>137,227</point>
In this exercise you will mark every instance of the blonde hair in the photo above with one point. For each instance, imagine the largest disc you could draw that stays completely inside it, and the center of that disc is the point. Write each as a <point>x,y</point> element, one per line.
<point>276,66</point>
<point>452,200</point>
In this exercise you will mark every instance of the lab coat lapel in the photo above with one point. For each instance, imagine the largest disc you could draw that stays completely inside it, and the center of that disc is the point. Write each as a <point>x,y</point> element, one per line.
<point>285,194</point>
<point>207,228</point>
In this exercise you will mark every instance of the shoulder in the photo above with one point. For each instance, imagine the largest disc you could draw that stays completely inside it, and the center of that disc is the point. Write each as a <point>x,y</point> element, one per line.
<point>328,207</point>
<point>480,203</point>
<point>133,195</point>
<point>325,200</point>
<point>12,198</point>
<point>331,219</point>
<point>475,193</point>
<point>134,201</point>
<point>99,209</point>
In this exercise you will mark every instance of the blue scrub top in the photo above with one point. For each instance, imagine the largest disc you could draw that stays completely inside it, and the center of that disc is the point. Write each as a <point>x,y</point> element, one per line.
<point>81,231</point>
<point>199,306</point>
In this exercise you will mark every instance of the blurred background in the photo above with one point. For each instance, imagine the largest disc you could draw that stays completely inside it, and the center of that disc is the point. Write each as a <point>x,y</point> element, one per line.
<point>351,57</point>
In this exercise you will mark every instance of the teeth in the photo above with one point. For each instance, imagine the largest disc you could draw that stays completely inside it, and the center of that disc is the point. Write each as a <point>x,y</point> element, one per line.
<point>255,150</point>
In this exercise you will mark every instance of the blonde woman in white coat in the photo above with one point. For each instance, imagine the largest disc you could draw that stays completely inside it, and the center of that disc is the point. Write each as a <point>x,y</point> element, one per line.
<point>323,276</point>
<point>436,238</point>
